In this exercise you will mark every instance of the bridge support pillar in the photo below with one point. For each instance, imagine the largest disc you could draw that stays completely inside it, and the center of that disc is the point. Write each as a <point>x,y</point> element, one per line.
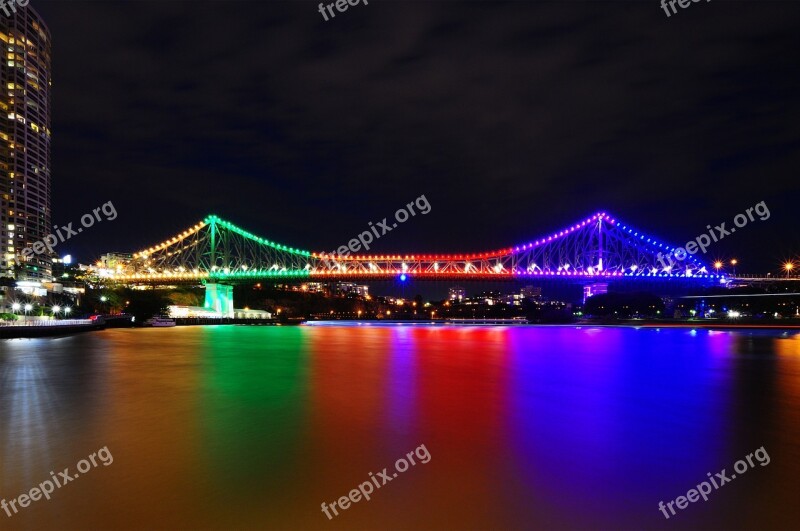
<point>219,297</point>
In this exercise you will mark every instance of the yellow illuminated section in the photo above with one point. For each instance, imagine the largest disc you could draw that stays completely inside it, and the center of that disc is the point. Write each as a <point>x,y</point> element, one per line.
<point>164,245</point>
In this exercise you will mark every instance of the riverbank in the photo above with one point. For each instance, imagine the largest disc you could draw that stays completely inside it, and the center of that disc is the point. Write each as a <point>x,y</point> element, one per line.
<point>705,324</point>
<point>49,328</point>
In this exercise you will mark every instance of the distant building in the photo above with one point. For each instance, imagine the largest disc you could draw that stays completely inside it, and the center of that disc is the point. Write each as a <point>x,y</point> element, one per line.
<point>531,292</point>
<point>594,289</point>
<point>25,137</point>
<point>314,287</point>
<point>60,266</point>
<point>514,299</point>
<point>457,294</point>
<point>199,312</point>
<point>112,260</point>
<point>352,289</point>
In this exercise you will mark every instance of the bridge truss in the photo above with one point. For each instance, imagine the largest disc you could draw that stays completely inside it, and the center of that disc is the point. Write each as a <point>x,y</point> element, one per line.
<point>216,250</point>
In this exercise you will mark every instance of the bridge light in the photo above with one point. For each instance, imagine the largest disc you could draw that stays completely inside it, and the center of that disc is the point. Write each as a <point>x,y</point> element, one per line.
<point>403,277</point>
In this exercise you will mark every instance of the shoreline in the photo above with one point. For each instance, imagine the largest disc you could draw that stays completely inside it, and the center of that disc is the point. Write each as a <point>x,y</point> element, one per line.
<point>32,332</point>
<point>621,324</point>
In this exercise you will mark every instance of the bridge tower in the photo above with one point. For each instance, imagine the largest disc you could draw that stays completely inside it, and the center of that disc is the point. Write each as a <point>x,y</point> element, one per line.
<point>219,297</point>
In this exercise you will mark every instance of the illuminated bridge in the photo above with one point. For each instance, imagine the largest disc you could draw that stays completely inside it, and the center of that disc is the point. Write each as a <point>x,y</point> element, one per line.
<point>598,247</point>
<point>217,253</point>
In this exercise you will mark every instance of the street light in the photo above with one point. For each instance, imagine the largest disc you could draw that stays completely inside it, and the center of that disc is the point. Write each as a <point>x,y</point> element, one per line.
<point>16,306</point>
<point>67,310</point>
<point>788,266</point>
<point>56,309</point>
<point>103,298</point>
<point>733,263</point>
<point>718,265</point>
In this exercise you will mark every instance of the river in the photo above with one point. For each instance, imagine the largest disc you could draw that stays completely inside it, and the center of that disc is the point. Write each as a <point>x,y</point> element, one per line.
<point>246,427</point>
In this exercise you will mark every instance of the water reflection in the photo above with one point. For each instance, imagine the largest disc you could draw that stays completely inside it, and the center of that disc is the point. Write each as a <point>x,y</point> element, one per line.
<point>252,428</point>
<point>46,388</point>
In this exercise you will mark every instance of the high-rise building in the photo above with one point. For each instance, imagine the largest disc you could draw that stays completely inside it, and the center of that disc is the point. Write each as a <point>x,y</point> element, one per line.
<point>25,136</point>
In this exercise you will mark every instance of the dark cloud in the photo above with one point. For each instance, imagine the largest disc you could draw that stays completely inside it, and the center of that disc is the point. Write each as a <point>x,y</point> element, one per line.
<point>512,118</point>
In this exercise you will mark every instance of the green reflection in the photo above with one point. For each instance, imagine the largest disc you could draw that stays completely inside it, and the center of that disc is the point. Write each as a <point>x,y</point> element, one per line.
<point>254,402</point>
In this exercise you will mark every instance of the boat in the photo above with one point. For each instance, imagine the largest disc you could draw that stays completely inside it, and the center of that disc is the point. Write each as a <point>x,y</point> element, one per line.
<point>160,322</point>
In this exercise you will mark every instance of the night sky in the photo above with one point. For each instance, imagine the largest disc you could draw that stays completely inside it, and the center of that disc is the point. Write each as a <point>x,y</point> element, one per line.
<point>513,119</point>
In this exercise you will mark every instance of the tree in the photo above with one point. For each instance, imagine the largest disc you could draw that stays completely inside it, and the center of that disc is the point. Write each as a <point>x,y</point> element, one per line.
<point>146,304</point>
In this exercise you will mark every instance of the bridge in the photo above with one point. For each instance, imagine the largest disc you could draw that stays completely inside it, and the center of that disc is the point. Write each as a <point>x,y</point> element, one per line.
<point>217,253</point>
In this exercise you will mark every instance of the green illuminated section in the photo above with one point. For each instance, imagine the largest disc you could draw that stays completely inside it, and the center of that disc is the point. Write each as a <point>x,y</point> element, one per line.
<point>230,226</point>
<point>219,298</point>
<point>239,275</point>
